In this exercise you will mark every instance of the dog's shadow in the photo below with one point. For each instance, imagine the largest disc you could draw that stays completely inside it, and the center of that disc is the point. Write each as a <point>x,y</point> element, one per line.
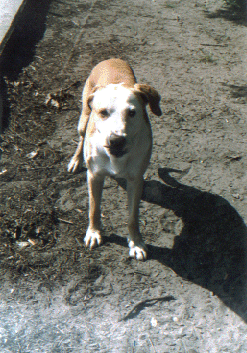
<point>211,248</point>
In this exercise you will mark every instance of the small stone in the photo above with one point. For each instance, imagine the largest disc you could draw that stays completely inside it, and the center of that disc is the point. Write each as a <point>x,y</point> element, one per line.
<point>154,322</point>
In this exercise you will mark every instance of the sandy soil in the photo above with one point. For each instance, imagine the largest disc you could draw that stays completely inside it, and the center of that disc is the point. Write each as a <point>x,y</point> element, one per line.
<point>190,295</point>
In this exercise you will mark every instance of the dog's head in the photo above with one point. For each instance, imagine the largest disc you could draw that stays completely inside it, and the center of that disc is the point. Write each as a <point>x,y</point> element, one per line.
<point>119,113</point>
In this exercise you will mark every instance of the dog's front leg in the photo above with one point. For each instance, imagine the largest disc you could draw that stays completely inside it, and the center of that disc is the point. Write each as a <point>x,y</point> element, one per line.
<point>137,247</point>
<point>95,187</point>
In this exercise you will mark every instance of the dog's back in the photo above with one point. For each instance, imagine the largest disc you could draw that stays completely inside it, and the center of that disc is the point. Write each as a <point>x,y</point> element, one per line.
<point>112,71</point>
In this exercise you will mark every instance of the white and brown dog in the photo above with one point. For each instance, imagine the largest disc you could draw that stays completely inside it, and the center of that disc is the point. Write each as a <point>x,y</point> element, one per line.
<point>116,136</point>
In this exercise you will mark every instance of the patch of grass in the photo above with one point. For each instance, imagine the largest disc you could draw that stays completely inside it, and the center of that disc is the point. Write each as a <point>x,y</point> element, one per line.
<point>207,58</point>
<point>170,5</point>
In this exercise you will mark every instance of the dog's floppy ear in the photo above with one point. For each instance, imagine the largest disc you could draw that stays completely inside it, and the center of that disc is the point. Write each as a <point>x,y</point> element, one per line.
<point>91,96</point>
<point>151,96</point>
<point>89,101</point>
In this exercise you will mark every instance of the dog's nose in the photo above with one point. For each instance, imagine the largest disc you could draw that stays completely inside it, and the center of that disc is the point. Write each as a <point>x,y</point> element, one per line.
<point>117,145</point>
<point>117,141</point>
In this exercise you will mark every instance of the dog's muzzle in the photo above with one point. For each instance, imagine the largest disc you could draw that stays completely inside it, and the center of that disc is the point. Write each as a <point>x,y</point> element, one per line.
<point>117,145</point>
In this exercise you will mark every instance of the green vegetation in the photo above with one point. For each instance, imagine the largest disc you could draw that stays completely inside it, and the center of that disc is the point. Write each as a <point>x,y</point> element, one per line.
<point>170,5</point>
<point>207,57</point>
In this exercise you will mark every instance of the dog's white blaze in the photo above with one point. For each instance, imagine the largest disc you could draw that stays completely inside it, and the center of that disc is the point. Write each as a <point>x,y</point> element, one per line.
<point>118,101</point>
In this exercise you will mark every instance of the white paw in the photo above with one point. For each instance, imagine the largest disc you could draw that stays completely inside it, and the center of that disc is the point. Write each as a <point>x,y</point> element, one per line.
<point>138,252</point>
<point>93,238</point>
<point>74,164</point>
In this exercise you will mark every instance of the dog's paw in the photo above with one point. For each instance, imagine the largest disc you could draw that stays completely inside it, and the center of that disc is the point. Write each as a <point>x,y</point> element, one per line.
<point>93,238</point>
<point>138,252</point>
<point>74,164</point>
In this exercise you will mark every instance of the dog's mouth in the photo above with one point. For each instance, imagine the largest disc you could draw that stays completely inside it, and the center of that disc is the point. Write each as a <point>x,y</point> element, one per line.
<point>116,145</point>
<point>117,151</point>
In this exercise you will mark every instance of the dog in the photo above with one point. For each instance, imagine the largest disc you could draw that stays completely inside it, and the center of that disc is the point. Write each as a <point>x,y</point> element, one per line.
<point>116,139</point>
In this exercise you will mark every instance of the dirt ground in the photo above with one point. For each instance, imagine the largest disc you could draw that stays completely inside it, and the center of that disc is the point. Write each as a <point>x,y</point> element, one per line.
<point>191,294</point>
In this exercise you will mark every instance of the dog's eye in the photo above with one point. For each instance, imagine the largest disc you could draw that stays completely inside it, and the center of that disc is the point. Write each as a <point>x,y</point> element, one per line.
<point>104,113</point>
<point>132,113</point>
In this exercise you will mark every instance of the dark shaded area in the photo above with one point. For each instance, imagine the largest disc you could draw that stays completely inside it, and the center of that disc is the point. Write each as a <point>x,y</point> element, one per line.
<point>20,48</point>
<point>211,249</point>
<point>5,106</point>
<point>29,30</point>
<point>234,10</point>
<point>238,91</point>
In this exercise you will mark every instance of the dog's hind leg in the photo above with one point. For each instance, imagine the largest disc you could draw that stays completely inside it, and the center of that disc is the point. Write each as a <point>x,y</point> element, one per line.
<point>137,247</point>
<point>77,158</point>
<point>95,187</point>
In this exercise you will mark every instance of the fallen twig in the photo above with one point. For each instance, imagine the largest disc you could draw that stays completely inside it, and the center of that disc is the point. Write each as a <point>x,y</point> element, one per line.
<point>215,45</point>
<point>152,345</point>
<point>78,242</point>
<point>142,304</point>
<point>65,221</point>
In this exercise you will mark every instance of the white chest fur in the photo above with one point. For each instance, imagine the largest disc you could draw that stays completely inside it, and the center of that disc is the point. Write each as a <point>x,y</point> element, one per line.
<point>101,162</point>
